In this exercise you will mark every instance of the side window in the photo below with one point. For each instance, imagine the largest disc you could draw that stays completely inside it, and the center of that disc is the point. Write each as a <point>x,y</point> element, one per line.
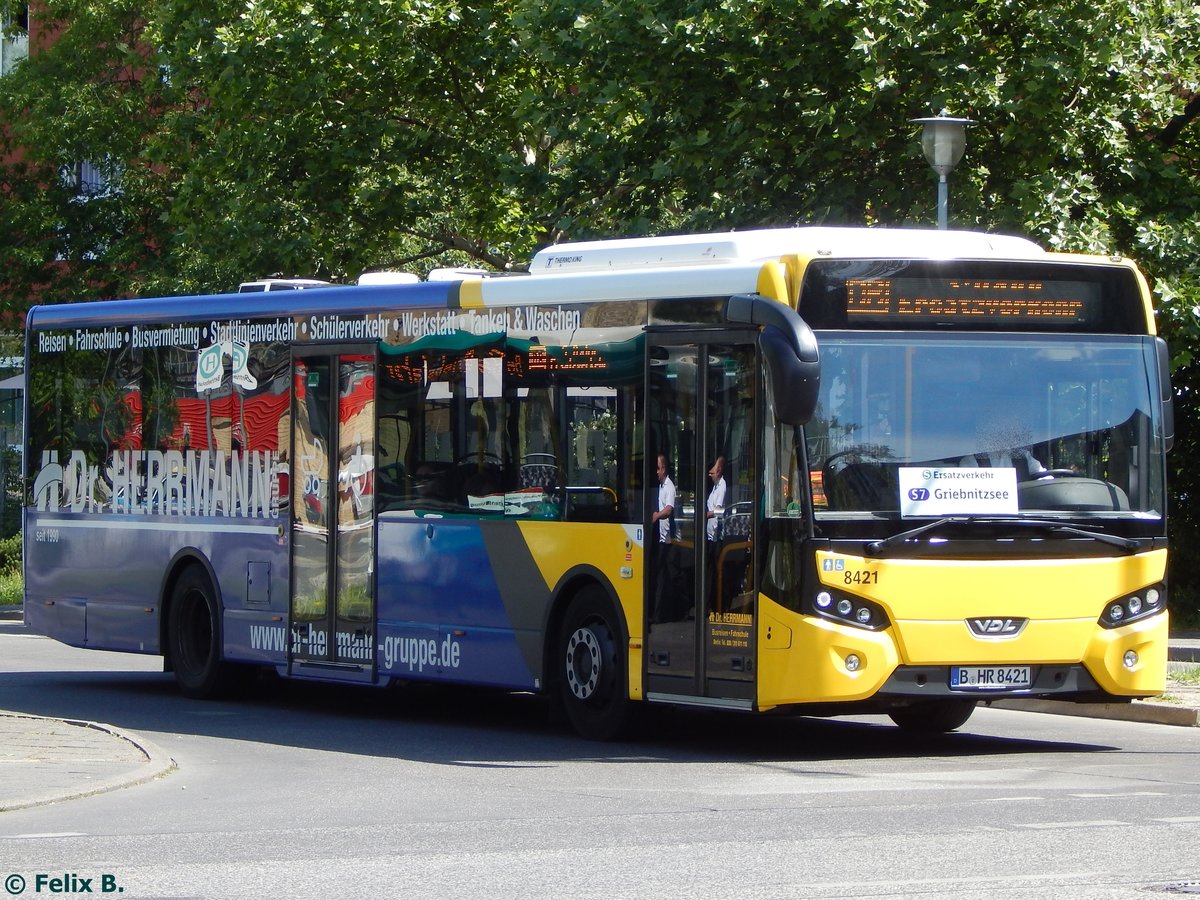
<point>534,434</point>
<point>594,453</point>
<point>537,423</point>
<point>440,443</point>
<point>573,415</point>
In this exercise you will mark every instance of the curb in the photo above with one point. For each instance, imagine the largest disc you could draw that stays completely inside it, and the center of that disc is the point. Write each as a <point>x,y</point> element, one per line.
<point>157,764</point>
<point>1139,711</point>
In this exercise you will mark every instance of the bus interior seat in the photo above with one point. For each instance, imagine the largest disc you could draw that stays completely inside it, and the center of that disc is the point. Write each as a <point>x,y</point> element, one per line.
<point>538,475</point>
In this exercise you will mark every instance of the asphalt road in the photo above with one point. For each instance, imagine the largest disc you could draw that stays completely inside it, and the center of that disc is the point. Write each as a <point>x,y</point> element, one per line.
<point>305,791</point>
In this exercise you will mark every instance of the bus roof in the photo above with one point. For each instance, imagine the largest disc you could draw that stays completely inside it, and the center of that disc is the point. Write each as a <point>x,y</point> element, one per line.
<point>690,265</point>
<point>687,250</point>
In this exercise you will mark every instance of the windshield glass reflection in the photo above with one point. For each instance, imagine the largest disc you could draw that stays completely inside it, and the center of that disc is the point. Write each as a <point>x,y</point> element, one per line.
<point>1069,421</point>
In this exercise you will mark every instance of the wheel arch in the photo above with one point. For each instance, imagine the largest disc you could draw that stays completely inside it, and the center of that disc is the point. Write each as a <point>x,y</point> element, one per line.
<point>187,558</point>
<point>572,583</point>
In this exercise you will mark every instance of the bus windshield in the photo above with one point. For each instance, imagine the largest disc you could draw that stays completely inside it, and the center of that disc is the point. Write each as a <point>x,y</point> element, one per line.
<point>1068,423</point>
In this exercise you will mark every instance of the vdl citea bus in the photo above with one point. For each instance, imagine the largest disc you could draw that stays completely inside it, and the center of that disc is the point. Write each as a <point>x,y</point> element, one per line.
<point>907,472</point>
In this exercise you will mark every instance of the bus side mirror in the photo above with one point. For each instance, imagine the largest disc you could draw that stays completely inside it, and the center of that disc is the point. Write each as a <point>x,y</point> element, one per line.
<point>789,349</point>
<point>794,382</point>
<point>1167,394</point>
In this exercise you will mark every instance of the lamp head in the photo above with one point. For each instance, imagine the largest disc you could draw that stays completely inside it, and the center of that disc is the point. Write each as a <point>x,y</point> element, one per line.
<point>943,141</point>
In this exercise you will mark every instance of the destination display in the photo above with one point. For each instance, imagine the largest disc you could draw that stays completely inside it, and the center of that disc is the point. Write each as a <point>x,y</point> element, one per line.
<point>978,301</point>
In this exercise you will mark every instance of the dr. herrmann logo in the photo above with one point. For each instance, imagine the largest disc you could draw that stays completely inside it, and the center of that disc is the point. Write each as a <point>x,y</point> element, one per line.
<point>47,487</point>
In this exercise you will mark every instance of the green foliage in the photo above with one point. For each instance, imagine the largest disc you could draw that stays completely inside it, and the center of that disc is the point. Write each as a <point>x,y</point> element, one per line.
<point>12,590</point>
<point>11,489</point>
<point>320,138</point>
<point>10,555</point>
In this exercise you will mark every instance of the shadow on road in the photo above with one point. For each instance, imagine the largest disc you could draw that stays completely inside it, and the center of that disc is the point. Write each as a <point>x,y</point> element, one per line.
<point>459,726</point>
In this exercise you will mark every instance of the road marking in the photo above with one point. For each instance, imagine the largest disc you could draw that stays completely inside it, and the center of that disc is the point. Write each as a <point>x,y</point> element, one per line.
<point>1122,794</point>
<point>1095,823</point>
<point>47,834</point>
<point>1177,820</point>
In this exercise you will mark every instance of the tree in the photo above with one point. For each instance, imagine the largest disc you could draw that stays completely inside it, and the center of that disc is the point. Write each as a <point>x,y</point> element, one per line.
<point>315,137</point>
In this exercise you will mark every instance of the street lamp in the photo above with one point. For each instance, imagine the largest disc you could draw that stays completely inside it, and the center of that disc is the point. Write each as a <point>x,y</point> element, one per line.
<point>943,140</point>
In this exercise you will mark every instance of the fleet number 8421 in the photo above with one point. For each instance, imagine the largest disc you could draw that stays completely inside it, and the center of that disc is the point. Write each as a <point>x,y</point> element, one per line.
<point>861,576</point>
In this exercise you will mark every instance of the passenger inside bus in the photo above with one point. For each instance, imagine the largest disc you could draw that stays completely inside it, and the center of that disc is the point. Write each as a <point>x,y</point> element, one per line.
<point>1003,442</point>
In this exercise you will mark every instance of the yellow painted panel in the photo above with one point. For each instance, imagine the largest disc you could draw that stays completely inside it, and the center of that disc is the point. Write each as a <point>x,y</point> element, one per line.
<point>613,551</point>
<point>470,293</point>
<point>1105,655</point>
<point>772,281</point>
<point>951,642</point>
<point>935,590</point>
<point>811,667</point>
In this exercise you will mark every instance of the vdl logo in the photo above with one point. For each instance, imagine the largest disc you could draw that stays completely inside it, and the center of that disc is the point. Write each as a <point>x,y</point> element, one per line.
<point>996,628</point>
<point>918,494</point>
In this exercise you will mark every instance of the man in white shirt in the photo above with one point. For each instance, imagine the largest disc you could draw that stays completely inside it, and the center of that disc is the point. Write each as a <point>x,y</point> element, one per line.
<point>716,499</point>
<point>666,502</point>
<point>658,553</point>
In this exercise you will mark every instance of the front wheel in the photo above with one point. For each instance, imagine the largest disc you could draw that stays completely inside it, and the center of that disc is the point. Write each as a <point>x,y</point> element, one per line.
<point>194,636</point>
<point>933,716</point>
<point>592,670</point>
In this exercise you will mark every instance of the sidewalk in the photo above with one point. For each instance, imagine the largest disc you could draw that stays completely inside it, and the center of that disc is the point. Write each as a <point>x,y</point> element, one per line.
<point>44,760</point>
<point>1180,705</point>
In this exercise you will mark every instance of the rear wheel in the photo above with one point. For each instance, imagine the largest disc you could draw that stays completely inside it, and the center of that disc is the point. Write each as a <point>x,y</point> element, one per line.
<point>933,715</point>
<point>194,636</point>
<point>592,670</point>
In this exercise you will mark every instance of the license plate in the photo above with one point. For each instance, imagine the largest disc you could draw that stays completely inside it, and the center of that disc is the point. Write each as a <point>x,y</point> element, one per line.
<point>990,678</point>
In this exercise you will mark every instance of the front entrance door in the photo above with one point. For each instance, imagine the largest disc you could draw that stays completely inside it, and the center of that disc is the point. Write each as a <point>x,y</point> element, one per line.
<point>700,593</point>
<point>333,510</point>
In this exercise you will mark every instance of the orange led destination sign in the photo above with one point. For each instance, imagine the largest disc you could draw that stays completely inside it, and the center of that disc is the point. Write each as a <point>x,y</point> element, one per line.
<point>960,299</point>
<point>571,358</point>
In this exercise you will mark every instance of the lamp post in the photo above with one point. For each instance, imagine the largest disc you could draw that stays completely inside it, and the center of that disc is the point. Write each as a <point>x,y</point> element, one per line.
<point>943,140</point>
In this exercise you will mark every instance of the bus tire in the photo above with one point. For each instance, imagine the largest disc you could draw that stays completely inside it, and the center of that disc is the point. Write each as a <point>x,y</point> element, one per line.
<point>194,636</point>
<point>592,672</point>
<point>933,716</point>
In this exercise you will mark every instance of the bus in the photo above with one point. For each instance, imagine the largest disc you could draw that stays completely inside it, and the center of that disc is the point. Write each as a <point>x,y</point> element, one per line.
<point>807,470</point>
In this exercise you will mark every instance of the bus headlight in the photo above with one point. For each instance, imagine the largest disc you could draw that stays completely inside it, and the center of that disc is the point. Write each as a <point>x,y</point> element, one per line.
<point>1135,606</point>
<point>848,609</point>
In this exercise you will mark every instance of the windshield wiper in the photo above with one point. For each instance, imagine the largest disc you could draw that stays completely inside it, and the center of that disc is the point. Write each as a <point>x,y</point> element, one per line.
<point>1129,545</point>
<point>879,546</point>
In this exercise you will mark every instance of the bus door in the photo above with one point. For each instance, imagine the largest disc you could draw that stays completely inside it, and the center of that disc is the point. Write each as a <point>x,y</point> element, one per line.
<point>700,607</point>
<point>332,459</point>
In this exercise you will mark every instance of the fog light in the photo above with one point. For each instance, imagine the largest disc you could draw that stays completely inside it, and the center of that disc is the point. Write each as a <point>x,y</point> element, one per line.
<point>824,599</point>
<point>1131,659</point>
<point>853,663</point>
